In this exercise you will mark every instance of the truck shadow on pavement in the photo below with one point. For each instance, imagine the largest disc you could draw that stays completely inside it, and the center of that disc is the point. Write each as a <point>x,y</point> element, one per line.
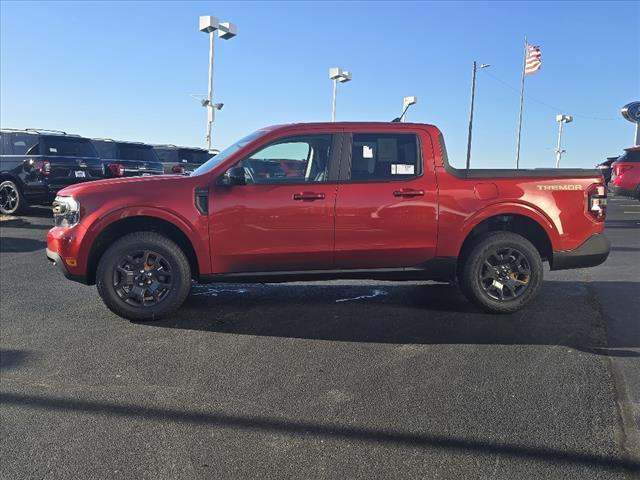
<point>565,313</point>
<point>328,431</point>
<point>20,245</point>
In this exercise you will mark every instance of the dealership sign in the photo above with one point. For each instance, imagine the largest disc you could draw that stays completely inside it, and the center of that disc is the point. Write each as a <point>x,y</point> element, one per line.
<point>631,112</point>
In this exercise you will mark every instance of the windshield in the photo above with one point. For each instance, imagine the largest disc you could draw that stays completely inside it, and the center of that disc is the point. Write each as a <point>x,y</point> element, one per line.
<point>227,152</point>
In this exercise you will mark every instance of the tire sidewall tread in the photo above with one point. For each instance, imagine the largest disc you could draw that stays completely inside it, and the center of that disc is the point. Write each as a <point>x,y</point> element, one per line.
<point>21,200</point>
<point>144,240</point>
<point>470,284</point>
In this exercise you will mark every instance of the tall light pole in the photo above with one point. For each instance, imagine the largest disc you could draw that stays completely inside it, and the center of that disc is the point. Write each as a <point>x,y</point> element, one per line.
<point>226,30</point>
<point>473,94</point>
<point>337,75</point>
<point>406,103</point>
<point>561,119</point>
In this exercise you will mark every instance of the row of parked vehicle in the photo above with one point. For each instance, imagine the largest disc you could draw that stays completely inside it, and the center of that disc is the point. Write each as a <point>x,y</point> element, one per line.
<point>35,164</point>
<point>622,174</point>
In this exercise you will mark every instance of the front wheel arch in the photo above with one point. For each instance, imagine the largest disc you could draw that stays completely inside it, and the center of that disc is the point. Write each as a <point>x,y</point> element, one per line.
<point>128,225</point>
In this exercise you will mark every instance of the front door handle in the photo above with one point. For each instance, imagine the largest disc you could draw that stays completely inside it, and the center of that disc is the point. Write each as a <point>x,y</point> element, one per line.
<point>308,196</point>
<point>409,192</point>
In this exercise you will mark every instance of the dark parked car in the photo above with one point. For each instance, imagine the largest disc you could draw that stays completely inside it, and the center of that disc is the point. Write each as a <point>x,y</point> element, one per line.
<point>127,159</point>
<point>606,168</point>
<point>35,164</point>
<point>181,160</point>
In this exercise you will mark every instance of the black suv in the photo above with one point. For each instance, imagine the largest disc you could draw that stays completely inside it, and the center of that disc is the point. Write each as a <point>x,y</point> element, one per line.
<point>35,164</point>
<point>127,159</point>
<point>181,160</point>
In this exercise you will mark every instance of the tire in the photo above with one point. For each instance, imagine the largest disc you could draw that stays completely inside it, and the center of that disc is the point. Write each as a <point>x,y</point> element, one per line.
<point>143,276</point>
<point>12,201</point>
<point>511,277</point>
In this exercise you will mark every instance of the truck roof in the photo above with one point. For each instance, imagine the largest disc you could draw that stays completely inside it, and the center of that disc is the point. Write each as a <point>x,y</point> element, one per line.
<point>398,125</point>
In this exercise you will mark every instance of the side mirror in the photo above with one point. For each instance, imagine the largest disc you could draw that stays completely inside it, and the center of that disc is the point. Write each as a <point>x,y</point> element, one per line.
<point>234,176</point>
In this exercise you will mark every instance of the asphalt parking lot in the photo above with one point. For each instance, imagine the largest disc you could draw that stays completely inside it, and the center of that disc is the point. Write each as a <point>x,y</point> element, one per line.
<point>325,380</point>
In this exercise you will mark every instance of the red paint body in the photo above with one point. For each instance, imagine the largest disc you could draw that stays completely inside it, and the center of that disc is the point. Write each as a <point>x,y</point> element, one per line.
<point>625,174</point>
<point>340,225</point>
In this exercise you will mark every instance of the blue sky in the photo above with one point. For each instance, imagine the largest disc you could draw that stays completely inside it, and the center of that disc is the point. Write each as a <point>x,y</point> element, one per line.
<point>125,70</point>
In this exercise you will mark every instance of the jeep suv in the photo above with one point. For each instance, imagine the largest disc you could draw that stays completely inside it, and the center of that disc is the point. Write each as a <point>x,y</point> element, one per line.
<point>181,160</point>
<point>35,164</point>
<point>127,159</point>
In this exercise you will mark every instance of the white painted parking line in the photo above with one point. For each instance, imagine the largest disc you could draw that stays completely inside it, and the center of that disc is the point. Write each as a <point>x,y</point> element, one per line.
<point>638,212</point>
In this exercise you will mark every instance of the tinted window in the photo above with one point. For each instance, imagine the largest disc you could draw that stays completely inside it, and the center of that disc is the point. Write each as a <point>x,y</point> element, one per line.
<point>59,146</point>
<point>230,150</point>
<point>198,157</point>
<point>21,143</point>
<point>131,151</point>
<point>384,157</point>
<point>303,159</point>
<point>167,155</point>
<point>105,149</point>
<point>630,156</point>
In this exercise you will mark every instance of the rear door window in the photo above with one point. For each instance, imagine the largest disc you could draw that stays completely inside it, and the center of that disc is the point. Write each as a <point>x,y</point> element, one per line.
<point>384,157</point>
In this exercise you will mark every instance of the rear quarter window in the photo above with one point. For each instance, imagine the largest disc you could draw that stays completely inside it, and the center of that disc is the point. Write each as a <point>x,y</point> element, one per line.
<point>128,151</point>
<point>105,149</point>
<point>632,156</point>
<point>21,143</point>
<point>59,146</point>
<point>167,155</point>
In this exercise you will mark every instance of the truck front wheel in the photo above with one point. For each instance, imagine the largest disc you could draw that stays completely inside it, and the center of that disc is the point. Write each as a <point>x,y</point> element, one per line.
<point>502,273</point>
<point>143,276</point>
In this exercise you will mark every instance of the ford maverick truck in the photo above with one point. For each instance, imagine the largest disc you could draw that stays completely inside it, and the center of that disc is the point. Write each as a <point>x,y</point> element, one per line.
<point>328,201</point>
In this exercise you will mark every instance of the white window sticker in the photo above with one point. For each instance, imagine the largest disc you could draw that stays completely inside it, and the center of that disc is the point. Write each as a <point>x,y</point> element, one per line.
<point>367,151</point>
<point>401,169</point>
<point>53,150</point>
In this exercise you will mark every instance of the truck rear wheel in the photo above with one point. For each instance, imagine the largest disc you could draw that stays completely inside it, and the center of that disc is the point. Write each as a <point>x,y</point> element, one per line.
<point>502,273</point>
<point>143,276</point>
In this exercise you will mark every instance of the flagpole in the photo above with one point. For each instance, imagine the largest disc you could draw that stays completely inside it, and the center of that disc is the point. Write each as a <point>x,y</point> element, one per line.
<point>524,64</point>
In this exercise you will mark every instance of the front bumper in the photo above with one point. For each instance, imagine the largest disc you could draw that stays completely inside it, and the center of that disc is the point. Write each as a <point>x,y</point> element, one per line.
<point>57,261</point>
<point>591,253</point>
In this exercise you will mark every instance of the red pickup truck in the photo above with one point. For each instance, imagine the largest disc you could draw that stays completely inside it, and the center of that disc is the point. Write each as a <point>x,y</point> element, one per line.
<point>325,201</point>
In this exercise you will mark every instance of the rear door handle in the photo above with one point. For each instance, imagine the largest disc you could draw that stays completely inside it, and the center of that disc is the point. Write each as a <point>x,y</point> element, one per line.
<point>408,193</point>
<point>308,196</point>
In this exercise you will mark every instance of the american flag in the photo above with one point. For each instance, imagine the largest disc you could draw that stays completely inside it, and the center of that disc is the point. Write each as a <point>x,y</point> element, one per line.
<point>533,61</point>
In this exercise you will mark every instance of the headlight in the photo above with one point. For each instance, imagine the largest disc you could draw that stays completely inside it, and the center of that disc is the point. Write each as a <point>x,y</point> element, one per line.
<point>66,212</point>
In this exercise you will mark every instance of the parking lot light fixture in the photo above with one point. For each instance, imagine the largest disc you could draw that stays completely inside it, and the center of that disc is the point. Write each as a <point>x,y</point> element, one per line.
<point>337,75</point>
<point>226,30</point>
<point>406,103</point>
<point>561,119</point>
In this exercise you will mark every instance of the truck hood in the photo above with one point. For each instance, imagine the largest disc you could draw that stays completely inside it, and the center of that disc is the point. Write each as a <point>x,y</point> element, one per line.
<point>156,183</point>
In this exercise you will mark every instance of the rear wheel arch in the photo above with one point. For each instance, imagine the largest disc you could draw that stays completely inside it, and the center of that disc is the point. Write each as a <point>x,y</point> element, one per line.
<point>119,228</point>
<point>522,225</point>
